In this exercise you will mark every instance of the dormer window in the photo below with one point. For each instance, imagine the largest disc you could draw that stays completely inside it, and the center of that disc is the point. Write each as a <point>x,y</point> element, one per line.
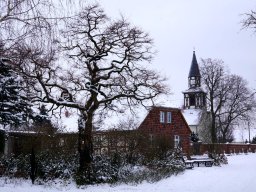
<point>169,117</point>
<point>161,117</point>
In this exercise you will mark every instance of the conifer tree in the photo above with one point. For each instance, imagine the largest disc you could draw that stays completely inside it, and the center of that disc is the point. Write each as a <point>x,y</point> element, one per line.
<point>15,107</point>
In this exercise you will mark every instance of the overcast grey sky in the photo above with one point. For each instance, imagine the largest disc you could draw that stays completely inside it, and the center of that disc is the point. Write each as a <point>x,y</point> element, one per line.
<point>212,27</point>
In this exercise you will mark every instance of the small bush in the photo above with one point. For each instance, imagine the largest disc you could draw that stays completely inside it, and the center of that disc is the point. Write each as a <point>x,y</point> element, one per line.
<point>219,159</point>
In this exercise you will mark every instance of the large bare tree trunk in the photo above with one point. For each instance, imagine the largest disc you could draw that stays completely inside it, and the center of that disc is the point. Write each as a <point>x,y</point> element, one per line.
<point>85,147</point>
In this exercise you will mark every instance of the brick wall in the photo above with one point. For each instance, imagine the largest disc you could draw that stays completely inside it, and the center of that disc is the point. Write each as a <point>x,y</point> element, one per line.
<point>228,148</point>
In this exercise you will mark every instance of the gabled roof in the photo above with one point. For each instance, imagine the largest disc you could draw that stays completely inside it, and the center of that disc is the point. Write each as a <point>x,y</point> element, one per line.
<point>194,69</point>
<point>149,122</point>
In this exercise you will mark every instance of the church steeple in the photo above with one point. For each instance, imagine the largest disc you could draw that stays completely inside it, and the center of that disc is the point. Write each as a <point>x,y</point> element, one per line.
<point>194,69</point>
<point>194,97</point>
<point>194,77</point>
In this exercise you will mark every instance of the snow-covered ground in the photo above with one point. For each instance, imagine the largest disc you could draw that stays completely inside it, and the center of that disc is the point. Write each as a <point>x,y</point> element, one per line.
<point>239,175</point>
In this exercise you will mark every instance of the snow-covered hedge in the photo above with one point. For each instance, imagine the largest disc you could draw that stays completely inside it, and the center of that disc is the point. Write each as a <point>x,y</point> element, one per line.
<point>153,170</point>
<point>114,168</point>
<point>56,166</point>
<point>49,166</point>
<point>118,169</point>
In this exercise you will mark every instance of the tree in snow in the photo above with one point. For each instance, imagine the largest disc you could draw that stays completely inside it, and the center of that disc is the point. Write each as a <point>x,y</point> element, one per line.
<point>102,67</point>
<point>238,107</point>
<point>23,19</point>
<point>250,20</point>
<point>229,99</point>
<point>15,107</point>
<point>212,72</point>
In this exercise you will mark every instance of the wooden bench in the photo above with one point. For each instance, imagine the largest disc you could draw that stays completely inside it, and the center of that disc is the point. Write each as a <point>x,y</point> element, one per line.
<point>189,163</point>
<point>206,162</point>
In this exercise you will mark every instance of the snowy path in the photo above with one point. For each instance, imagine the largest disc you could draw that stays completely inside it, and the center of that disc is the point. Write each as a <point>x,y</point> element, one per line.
<point>238,176</point>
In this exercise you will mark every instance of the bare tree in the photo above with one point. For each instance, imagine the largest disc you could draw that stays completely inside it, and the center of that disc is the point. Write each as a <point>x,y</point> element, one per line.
<point>31,22</point>
<point>250,20</point>
<point>212,72</point>
<point>23,19</point>
<point>238,106</point>
<point>102,66</point>
<point>127,123</point>
<point>229,99</point>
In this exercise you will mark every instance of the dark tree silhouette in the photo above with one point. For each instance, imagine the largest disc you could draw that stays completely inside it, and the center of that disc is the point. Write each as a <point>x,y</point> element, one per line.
<point>102,65</point>
<point>229,99</point>
<point>33,166</point>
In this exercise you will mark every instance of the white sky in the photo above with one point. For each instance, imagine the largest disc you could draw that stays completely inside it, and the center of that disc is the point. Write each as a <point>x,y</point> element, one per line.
<point>212,27</point>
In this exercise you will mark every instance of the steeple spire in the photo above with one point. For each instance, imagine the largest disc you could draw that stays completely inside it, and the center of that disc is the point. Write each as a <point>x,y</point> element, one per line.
<point>194,97</point>
<point>194,69</point>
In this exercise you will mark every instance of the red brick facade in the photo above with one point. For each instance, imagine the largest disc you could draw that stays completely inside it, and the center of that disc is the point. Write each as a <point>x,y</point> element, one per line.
<point>177,127</point>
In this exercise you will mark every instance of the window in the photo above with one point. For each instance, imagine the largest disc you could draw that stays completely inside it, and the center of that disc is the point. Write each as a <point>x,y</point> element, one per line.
<point>198,101</point>
<point>192,82</point>
<point>192,100</point>
<point>176,141</point>
<point>161,117</point>
<point>62,142</point>
<point>169,117</point>
<point>151,137</point>
<point>186,102</point>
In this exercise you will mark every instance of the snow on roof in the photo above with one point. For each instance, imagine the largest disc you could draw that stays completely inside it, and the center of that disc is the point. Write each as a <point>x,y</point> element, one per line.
<point>193,90</point>
<point>192,116</point>
<point>22,131</point>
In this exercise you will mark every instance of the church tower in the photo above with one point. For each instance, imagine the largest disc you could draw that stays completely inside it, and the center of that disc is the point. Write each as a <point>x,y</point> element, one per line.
<point>194,97</point>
